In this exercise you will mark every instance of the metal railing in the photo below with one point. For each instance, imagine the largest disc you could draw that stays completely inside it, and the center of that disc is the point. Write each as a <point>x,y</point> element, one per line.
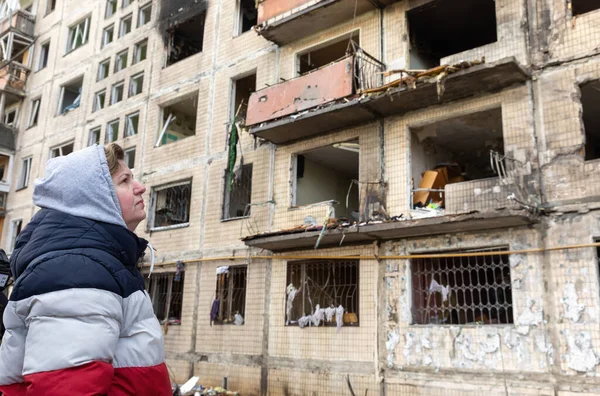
<point>368,70</point>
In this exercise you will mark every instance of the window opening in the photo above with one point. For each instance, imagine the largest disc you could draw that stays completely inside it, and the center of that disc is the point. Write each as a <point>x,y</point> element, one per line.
<point>34,113</point>
<point>238,192</point>
<point>117,93</point>
<point>584,6</point>
<point>327,284</point>
<point>131,124</point>
<point>121,61</point>
<point>326,53</point>
<point>94,137</point>
<point>462,290</point>
<point>108,35</point>
<point>112,131</point>
<point>44,55</point>
<point>15,231</point>
<point>99,100</point>
<point>144,15</point>
<point>186,39</point>
<point>140,51</point>
<point>166,294</point>
<point>172,205</point>
<point>78,34</point>
<point>126,3</point>
<point>4,160</point>
<point>50,6</point>
<point>430,26</point>
<point>70,97</point>
<point>10,117</point>
<point>231,294</point>
<point>325,174</point>
<point>103,69</point>
<point>25,173</point>
<point>111,8</point>
<point>242,89</point>
<point>590,102</point>
<point>60,151</point>
<point>248,15</point>
<point>453,151</point>
<point>136,84</point>
<point>130,158</point>
<point>126,24</point>
<point>179,120</point>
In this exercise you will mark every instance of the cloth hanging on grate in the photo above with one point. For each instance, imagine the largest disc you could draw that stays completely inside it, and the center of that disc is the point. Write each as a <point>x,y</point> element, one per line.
<point>235,162</point>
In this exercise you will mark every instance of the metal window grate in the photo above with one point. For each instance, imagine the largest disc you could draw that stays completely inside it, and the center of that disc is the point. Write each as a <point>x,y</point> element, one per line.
<point>328,283</point>
<point>238,195</point>
<point>231,292</point>
<point>166,294</point>
<point>462,290</point>
<point>172,206</point>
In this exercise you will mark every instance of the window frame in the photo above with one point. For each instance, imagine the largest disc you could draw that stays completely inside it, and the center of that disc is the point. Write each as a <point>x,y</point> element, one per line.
<point>14,235</point>
<point>105,31</point>
<point>141,12</point>
<point>34,112</point>
<point>75,29</point>
<point>103,65</point>
<point>126,3</point>
<point>228,192</point>
<point>63,87</point>
<point>24,173</point>
<point>232,271</point>
<point>7,112</point>
<point>121,59</point>
<point>152,287</point>
<point>114,133</point>
<point>129,125</point>
<point>127,154</point>
<point>122,25</point>
<point>40,58</point>
<point>60,149</point>
<point>135,80</point>
<point>136,58</point>
<point>150,224</point>
<point>50,7</point>
<point>91,141</point>
<point>99,105</point>
<point>115,86</point>
<point>113,10</point>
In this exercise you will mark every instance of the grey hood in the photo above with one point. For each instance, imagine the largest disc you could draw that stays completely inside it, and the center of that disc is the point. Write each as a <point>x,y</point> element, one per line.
<point>80,184</point>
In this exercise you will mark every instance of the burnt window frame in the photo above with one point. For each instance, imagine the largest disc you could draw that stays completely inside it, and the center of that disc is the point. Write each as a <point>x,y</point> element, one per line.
<point>291,266</point>
<point>229,276</point>
<point>229,191</point>
<point>472,254</point>
<point>152,286</point>
<point>151,227</point>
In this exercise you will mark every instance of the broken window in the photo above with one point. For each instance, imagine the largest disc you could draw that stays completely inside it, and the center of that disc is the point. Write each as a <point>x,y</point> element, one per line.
<point>99,100</point>
<point>463,290</point>
<point>103,69</point>
<point>10,117</point>
<point>231,294</point>
<point>248,16</point>
<point>121,60</point>
<point>126,24</point>
<point>325,174</point>
<point>50,6</point>
<point>166,294</point>
<point>136,84</point>
<point>117,92</point>
<point>108,34</point>
<point>130,158</point>
<point>34,113</point>
<point>94,137</point>
<point>171,205</point>
<point>238,192</point>
<point>62,150</point>
<point>111,8</point>
<point>131,124</point>
<point>185,39</point>
<point>140,51</point>
<point>144,14</point>
<point>15,230</point>
<point>452,151</point>
<point>43,57</point>
<point>78,34</point>
<point>242,89</point>
<point>70,96</point>
<point>445,27</point>
<point>112,131</point>
<point>584,6</point>
<point>24,173</point>
<point>178,120</point>
<point>590,101</point>
<point>330,285</point>
<point>326,53</point>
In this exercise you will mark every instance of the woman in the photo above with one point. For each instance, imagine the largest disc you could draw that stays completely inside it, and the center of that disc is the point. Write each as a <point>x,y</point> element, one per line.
<point>79,321</point>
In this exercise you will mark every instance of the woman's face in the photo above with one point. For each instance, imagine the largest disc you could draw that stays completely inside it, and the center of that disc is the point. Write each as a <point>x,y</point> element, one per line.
<point>129,192</point>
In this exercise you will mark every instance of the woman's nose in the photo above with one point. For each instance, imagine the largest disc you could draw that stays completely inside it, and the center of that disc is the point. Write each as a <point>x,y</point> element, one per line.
<point>139,188</point>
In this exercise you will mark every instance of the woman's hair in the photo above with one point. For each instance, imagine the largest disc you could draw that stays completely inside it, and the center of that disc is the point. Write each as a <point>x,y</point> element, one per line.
<point>114,154</point>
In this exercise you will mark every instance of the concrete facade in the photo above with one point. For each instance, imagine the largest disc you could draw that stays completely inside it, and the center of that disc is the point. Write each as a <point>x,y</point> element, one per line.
<point>552,344</point>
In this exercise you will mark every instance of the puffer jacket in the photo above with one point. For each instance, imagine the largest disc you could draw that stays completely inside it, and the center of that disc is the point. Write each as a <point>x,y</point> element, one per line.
<point>79,321</point>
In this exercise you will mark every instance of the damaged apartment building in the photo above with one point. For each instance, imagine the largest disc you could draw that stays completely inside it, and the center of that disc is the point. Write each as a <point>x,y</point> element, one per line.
<point>392,197</point>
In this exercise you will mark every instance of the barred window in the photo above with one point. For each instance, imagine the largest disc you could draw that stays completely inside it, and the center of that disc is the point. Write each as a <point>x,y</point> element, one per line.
<point>171,205</point>
<point>326,283</point>
<point>238,193</point>
<point>166,293</point>
<point>463,290</point>
<point>231,293</point>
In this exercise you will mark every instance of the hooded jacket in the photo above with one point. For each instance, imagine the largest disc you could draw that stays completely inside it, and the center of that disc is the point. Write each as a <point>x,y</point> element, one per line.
<point>79,321</point>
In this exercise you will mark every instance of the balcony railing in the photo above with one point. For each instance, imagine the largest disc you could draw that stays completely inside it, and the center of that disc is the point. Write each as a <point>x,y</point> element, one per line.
<point>13,77</point>
<point>19,21</point>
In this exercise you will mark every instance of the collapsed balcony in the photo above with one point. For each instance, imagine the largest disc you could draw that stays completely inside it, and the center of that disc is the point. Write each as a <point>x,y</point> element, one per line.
<point>283,22</point>
<point>350,92</point>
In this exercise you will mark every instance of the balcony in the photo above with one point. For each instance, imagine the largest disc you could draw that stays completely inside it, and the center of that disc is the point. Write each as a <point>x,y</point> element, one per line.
<point>284,21</point>
<point>20,22</point>
<point>322,101</point>
<point>12,81</point>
